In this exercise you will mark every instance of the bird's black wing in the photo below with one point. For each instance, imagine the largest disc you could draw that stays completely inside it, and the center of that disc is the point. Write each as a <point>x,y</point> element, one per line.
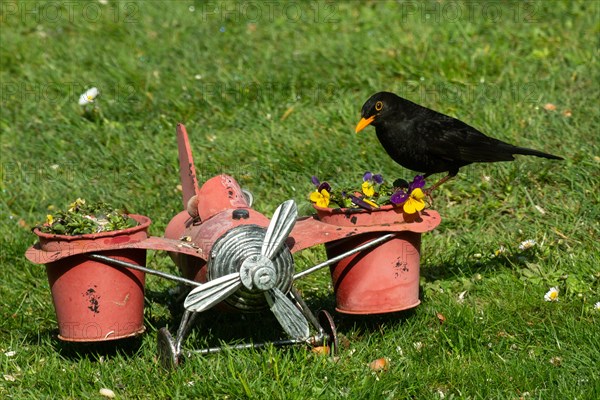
<point>452,139</point>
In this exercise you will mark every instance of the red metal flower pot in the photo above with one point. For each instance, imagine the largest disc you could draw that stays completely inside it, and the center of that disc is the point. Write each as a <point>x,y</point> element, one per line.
<point>382,279</point>
<point>94,301</point>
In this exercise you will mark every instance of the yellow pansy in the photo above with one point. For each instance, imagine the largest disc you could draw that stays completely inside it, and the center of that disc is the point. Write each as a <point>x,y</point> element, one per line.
<point>415,202</point>
<point>321,199</point>
<point>368,189</point>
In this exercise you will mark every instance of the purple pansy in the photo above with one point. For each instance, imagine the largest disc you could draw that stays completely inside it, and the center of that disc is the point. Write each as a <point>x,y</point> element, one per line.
<point>324,185</point>
<point>418,182</point>
<point>399,197</point>
<point>320,185</point>
<point>369,176</point>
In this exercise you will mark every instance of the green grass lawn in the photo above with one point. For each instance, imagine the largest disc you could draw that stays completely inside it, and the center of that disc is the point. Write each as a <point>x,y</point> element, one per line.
<point>270,93</point>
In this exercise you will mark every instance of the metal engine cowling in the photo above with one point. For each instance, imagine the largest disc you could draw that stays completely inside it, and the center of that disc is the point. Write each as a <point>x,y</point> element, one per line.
<point>229,253</point>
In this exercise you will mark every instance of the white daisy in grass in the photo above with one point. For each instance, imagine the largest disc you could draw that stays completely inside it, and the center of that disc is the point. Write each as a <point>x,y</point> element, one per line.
<point>501,251</point>
<point>552,294</point>
<point>597,306</point>
<point>89,96</point>
<point>527,244</point>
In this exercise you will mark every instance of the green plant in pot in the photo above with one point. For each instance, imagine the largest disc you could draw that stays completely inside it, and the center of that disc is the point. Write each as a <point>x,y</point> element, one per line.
<point>94,301</point>
<point>83,218</point>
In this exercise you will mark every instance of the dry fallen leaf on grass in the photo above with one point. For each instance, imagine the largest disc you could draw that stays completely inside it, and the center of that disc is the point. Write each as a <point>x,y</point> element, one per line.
<point>287,113</point>
<point>324,350</point>
<point>381,364</point>
<point>441,318</point>
<point>107,393</point>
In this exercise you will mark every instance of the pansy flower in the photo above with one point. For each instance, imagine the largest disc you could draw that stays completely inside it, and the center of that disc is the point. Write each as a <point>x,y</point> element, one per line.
<point>369,181</point>
<point>373,193</point>
<point>376,178</point>
<point>368,189</point>
<point>320,185</point>
<point>414,202</point>
<point>417,183</point>
<point>321,195</point>
<point>399,197</point>
<point>321,199</point>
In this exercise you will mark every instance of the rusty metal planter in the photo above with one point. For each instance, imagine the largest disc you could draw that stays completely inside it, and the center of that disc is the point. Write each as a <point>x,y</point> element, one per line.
<point>94,301</point>
<point>382,279</point>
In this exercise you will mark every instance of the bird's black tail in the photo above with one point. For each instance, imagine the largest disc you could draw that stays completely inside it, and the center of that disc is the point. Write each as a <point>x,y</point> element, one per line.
<point>531,152</point>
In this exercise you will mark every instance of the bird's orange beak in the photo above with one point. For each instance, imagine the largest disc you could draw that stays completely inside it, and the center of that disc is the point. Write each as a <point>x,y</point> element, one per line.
<point>363,123</point>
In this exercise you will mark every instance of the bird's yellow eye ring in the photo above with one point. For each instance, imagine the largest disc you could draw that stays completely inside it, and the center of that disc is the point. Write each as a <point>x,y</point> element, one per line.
<point>378,106</point>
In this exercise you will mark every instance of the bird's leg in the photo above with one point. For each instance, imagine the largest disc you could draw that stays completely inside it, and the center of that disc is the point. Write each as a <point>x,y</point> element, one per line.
<point>428,191</point>
<point>438,184</point>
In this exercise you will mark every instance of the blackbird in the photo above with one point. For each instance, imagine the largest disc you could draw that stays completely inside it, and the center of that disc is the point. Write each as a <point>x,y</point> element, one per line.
<point>427,141</point>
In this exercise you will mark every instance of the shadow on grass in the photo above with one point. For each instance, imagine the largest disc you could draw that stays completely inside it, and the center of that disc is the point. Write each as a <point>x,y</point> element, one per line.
<point>455,269</point>
<point>95,351</point>
<point>173,304</point>
<point>218,327</point>
<point>369,323</point>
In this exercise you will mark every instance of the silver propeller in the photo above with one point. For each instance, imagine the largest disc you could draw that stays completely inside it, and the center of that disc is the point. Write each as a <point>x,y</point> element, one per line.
<point>281,225</point>
<point>258,272</point>
<point>212,292</point>
<point>290,318</point>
